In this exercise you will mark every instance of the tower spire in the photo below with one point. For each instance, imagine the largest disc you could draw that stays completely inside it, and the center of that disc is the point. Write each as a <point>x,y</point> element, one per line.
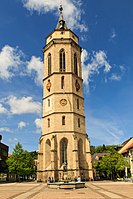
<point>61,11</point>
<point>60,3</point>
<point>61,23</point>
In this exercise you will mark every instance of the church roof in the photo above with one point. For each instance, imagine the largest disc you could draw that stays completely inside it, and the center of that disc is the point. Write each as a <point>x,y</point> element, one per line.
<point>61,25</point>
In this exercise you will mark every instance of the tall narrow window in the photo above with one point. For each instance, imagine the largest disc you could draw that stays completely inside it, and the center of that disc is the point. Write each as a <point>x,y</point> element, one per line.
<point>79,122</point>
<point>62,60</point>
<point>80,154</point>
<point>49,64</point>
<point>48,122</point>
<point>77,103</point>
<point>75,64</point>
<point>47,153</point>
<point>48,102</point>
<point>63,151</point>
<point>63,120</point>
<point>62,82</point>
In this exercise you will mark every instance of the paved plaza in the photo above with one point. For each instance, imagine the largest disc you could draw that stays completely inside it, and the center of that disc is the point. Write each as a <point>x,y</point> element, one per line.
<point>93,190</point>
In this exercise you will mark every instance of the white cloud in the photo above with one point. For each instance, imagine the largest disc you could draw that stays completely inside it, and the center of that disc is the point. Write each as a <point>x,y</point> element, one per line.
<point>10,59</point>
<point>97,61</point>
<point>104,131</point>
<point>118,73</point>
<point>115,77</point>
<point>2,109</point>
<point>5,129</point>
<point>21,125</point>
<point>72,11</point>
<point>113,34</point>
<point>85,69</point>
<point>23,105</point>
<point>38,123</point>
<point>122,68</point>
<point>13,140</point>
<point>36,65</point>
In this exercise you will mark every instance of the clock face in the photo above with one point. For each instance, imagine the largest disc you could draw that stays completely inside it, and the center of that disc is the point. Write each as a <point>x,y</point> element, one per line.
<point>63,102</point>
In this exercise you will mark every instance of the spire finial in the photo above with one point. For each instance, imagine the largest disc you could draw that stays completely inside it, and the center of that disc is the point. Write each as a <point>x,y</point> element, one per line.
<point>60,3</point>
<point>61,8</point>
<point>61,23</point>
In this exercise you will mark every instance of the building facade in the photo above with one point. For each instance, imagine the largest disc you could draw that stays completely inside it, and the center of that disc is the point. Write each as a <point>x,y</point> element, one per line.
<point>3,156</point>
<point>127,151</point>
<point>64,147</point>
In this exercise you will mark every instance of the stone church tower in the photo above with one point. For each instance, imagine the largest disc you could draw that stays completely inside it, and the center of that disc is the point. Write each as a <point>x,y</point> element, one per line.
<point>64,147</point>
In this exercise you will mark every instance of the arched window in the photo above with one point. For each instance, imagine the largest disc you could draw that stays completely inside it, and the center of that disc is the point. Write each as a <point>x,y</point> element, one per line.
<point>41,148</point>
<point>62,82</point>
<point>63,120</point>
<point>75,64</point>
<point>49,64</point>
<point>63,148</point>
<point>47,153</point>
<point>80,153</point>
<point>48,122</point>
<point>62,61</point>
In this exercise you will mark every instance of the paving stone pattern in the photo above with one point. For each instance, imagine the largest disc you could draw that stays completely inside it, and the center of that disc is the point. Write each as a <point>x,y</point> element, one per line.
<point>93,190</point>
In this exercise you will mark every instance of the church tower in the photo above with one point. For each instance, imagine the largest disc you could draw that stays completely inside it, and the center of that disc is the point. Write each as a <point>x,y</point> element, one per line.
<point>64,147</point>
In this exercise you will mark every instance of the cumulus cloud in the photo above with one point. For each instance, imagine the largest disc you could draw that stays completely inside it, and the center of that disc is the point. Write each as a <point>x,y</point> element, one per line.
<point>23,105</point>
<point>72,11</point>
<point>10,59</point>
<point>2,109</point>
<point>5,129</point>
<point>21,125</point>
<point>97,61</point>
<point>36,65</point>
<point>38,123</point>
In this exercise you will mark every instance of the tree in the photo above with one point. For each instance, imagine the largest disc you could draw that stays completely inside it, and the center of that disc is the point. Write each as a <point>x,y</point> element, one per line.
<point>103,149</point>
<point>112,165</point>
<point>21,162</point>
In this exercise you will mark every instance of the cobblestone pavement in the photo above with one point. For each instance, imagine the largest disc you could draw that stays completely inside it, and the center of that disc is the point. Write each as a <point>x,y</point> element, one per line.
<point>93,190</point>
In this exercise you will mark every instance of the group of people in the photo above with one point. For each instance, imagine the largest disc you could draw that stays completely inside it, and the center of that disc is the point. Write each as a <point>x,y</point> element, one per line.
<point>50,180</point>
<point>76,179</point>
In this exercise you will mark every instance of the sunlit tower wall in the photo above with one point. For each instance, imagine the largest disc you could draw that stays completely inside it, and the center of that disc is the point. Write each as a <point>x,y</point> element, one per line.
<point>64,147</point>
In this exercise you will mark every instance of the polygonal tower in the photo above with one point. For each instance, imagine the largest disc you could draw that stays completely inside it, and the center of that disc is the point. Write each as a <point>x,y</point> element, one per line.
<point>64,147</point>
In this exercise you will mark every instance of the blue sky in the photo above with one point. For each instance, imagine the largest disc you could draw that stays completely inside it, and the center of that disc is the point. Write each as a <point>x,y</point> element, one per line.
<point>105,30</point>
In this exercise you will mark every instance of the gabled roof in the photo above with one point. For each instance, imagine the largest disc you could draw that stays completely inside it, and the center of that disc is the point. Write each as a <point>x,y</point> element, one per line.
<point>128,144</point>
<point>97,156</point>
<point>126,141</point>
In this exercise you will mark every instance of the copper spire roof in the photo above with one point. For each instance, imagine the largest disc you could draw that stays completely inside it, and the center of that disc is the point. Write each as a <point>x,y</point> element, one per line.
<point>61,25</point>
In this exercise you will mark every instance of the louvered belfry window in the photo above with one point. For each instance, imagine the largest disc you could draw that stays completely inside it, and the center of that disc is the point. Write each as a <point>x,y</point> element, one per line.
<point>62,61</point>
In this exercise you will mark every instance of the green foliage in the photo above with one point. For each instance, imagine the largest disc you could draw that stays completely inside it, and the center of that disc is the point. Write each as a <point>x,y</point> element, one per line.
<point>111,165</point>
<point>21,162</point>
<point>103,149</point>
